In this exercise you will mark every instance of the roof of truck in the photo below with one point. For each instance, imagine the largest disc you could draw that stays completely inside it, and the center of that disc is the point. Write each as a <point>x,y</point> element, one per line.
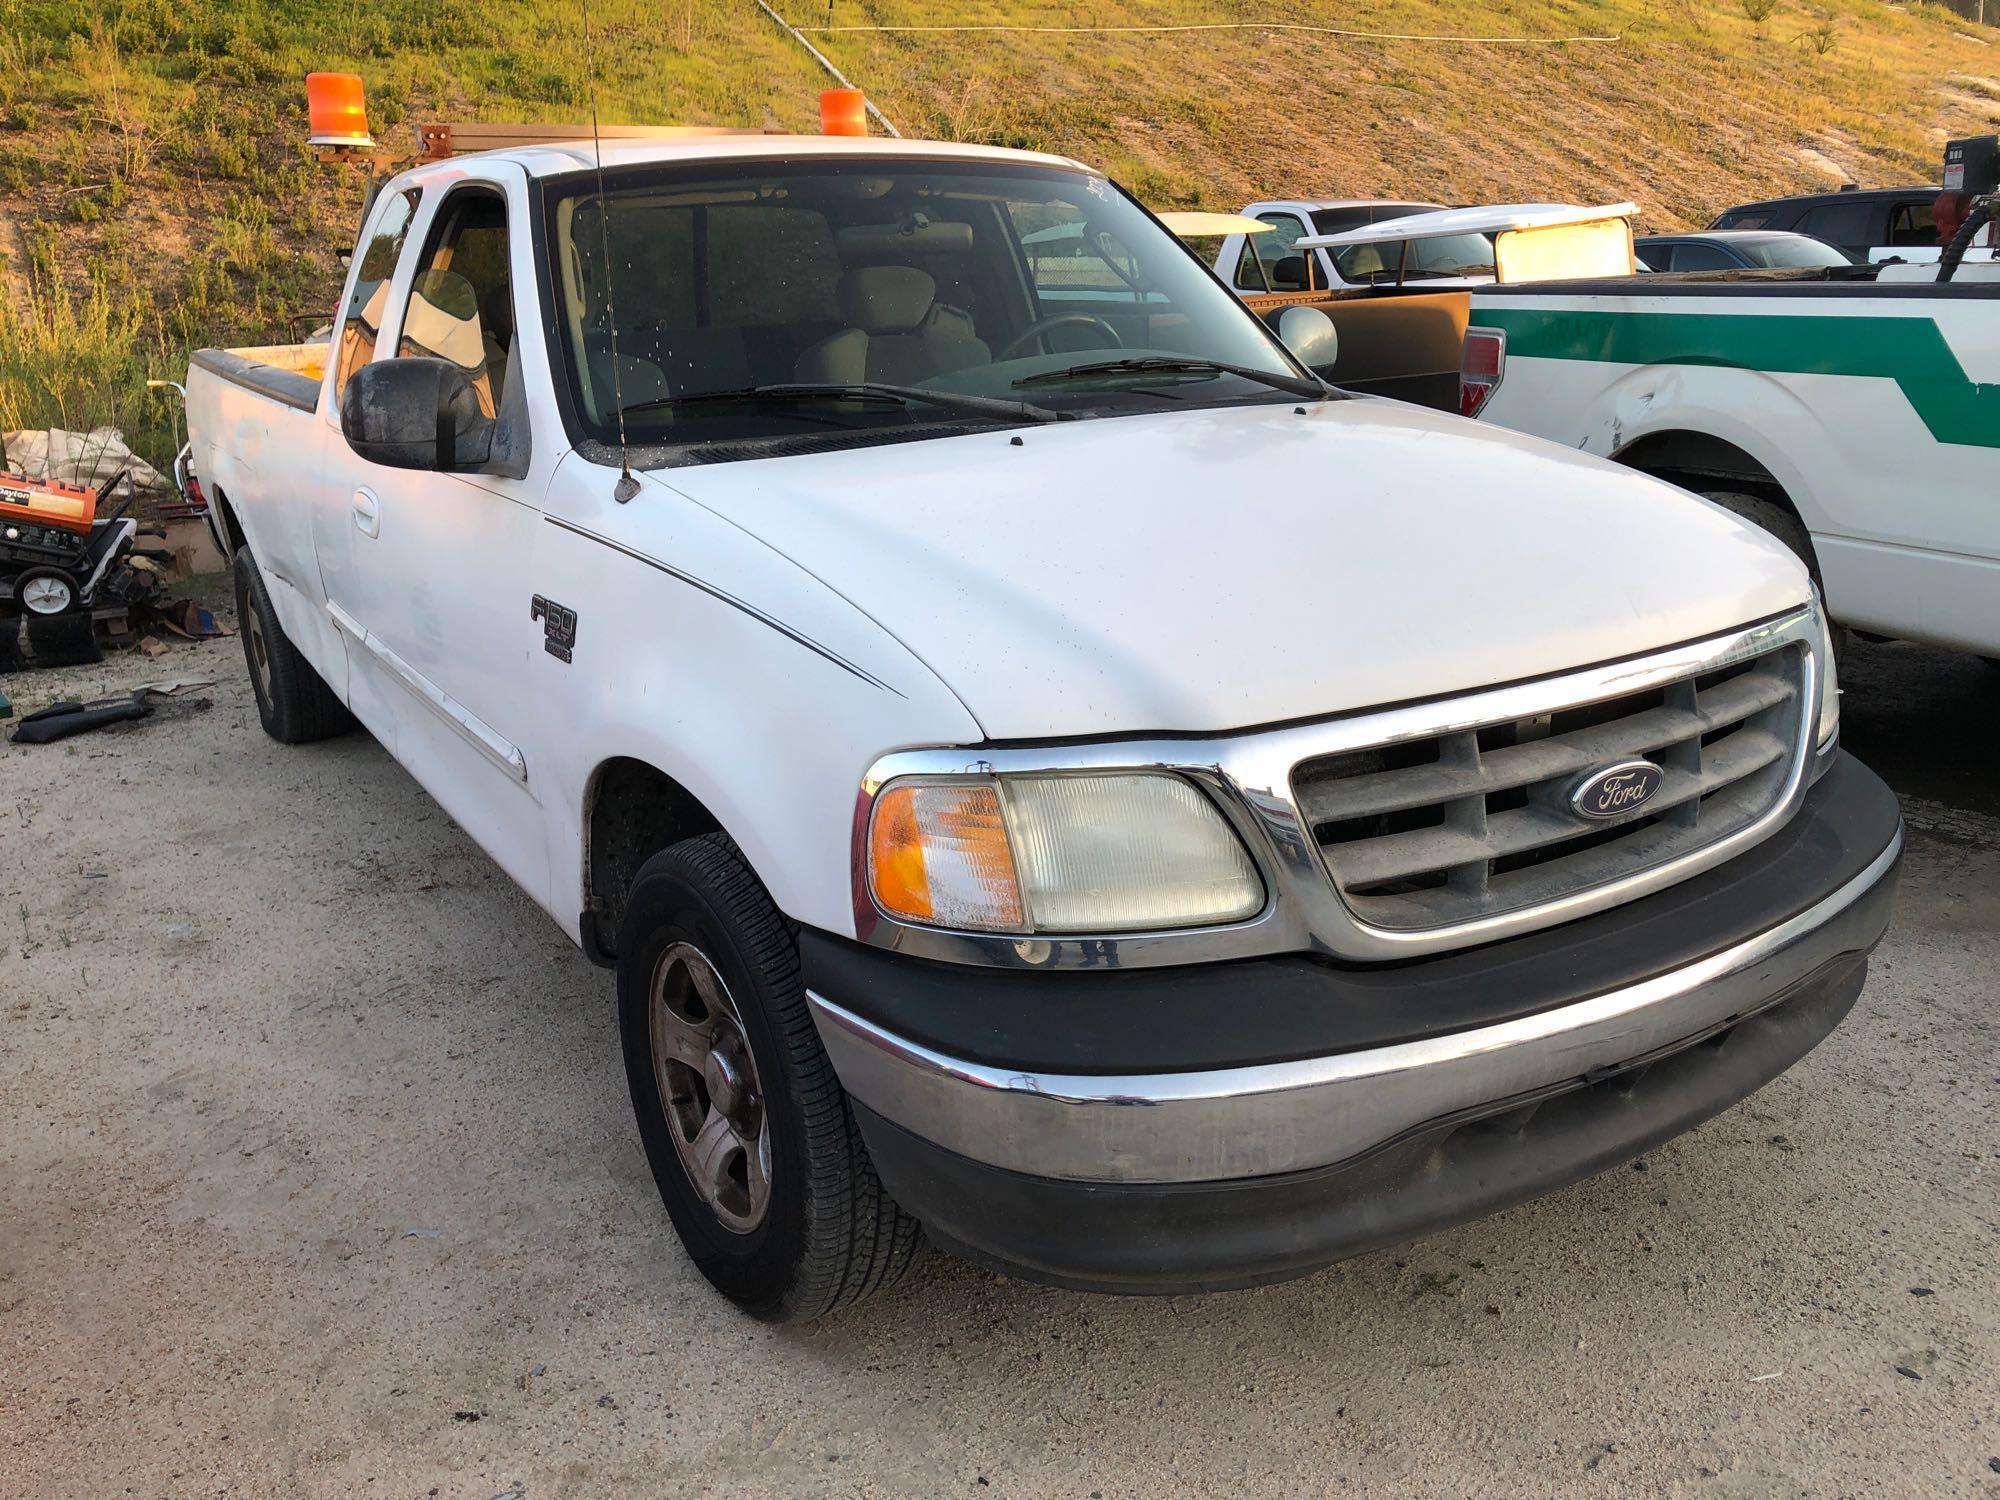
<point>1322,205</point>
<point>570,156</point>
<point>1916,191</point>
<point>1489,218</point>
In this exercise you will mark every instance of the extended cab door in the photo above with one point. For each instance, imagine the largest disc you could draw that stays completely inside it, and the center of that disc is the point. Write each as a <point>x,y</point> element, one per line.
<point>430,575</point>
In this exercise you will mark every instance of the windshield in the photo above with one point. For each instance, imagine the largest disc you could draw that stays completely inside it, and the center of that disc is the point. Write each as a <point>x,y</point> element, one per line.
<point>1793,250</point>
<point>750,296</point>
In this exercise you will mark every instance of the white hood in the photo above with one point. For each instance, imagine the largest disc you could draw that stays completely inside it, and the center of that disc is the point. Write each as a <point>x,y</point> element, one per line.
<point>1217,570</point>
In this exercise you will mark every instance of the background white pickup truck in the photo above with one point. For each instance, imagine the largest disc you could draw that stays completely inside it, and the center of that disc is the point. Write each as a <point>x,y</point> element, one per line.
<point>1859,421</point>
<point>1044,767</point>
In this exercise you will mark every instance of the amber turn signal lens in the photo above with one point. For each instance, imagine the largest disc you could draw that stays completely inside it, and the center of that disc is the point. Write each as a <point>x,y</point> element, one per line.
<point>938,853</point>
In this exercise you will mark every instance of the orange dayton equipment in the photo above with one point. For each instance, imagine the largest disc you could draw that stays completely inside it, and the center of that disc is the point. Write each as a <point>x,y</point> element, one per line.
<point>54,546</point>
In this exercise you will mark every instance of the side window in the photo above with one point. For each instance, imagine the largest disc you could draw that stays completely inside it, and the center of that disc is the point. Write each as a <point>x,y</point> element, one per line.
<point>1698,257</point>
<point>1752,220</point>
<point>1913,224</point>
<point>1286,264</point>
<point>1248,276</point>
<point>1854,225</point>
<point>361,318</point>
<point>461,305</point>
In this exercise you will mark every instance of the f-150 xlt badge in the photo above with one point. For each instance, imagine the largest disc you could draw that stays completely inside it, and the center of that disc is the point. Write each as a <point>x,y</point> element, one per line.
<point>558,626</point>
<point>1616,790</point>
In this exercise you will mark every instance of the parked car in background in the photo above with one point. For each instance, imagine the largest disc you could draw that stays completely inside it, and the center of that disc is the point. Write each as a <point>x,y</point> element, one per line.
<point>1736,250</point>
<point>1858,220</point>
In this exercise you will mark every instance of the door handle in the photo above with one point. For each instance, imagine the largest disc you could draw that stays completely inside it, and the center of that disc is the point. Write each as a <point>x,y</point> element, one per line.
<point>367,513</point>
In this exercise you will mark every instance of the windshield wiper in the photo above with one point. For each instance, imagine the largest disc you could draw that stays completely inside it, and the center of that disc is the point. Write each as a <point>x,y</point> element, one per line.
<point>1154,364</point>
<point>860,390</point>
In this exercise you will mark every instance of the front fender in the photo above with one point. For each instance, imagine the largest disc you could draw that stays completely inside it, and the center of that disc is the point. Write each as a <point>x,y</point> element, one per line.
<point>720,663</point>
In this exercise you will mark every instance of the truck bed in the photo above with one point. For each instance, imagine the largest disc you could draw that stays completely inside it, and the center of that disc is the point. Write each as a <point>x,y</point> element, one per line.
<point>289,373</point>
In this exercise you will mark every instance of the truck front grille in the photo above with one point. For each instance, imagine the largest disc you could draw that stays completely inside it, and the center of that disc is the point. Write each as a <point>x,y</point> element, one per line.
<point>1455,827</point>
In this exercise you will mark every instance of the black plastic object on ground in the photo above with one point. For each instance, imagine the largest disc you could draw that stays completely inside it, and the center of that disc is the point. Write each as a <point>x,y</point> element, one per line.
<point>61,720</point>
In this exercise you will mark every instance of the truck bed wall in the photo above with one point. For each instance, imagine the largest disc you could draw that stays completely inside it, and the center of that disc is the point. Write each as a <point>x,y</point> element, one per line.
<point>256,436</point>
<point>1392,343</point>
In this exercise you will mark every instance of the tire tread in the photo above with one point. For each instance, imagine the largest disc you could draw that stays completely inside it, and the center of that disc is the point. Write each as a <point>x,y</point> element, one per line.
<point>302,707</point>
<point>858,1240</point>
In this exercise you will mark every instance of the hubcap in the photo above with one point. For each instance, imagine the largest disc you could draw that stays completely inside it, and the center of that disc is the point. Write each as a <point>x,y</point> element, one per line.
<point>45,596</point>
<point>707,1082</point>
<point>260,658</point>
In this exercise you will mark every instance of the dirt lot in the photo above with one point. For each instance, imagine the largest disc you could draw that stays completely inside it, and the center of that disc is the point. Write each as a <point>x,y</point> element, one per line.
<point>317,1177</point>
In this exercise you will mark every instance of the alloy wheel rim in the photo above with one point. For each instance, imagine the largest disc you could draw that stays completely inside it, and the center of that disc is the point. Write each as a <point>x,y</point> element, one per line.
<point>260,657</point>
<point>45,596</point>
<point>708,1088</point>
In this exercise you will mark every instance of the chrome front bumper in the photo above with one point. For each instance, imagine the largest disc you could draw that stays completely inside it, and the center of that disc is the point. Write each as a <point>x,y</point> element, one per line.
<point>1260,1121</point>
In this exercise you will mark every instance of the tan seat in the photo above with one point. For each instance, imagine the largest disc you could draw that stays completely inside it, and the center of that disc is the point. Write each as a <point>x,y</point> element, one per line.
<point>897,332</point>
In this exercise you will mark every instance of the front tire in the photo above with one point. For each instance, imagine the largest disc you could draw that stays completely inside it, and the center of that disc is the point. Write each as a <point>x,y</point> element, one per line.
<point>749,1134</point>
<point>294,703</point>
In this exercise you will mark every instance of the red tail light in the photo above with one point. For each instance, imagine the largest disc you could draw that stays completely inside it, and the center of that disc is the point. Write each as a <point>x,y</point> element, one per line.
<point>1480,368</point>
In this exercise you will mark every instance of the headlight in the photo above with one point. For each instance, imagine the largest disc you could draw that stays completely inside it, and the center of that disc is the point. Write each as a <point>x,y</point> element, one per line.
<point>1085,853</point>
<point>1829,688</point>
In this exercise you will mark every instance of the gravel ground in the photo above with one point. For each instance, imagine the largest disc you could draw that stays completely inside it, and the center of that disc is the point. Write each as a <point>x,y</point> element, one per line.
<point>317,1177</point>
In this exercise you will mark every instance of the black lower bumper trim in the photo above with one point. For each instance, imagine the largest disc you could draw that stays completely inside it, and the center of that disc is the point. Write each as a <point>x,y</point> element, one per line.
<point>1255,1011</point>
<point>1216,1235</point>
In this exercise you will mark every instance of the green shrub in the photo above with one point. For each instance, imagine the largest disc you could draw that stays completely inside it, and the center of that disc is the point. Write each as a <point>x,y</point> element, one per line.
<point>82,361</point>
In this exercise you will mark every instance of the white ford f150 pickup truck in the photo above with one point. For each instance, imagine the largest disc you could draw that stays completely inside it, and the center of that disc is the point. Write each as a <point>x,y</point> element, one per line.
<point>1051,776</point>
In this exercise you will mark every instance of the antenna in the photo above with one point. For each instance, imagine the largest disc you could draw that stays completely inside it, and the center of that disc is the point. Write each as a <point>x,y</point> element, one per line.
<point>627,487</point>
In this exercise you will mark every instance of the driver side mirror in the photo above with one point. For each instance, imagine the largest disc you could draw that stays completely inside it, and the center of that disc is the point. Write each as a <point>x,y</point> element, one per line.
<point>416,413</point>
<point>1310,335</point>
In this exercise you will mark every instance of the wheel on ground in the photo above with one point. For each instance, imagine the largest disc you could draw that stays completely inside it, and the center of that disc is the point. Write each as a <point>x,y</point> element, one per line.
<point>293,701</point>
<point>747,1129</point>
<point>44,593</point>
<point>1771,517</point>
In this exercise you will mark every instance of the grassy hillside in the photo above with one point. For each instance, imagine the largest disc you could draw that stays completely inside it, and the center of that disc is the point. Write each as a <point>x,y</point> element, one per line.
<point>155,192</point>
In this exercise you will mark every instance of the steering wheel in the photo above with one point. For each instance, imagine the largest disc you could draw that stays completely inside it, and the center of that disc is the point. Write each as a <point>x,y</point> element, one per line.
<point>1043,326</point>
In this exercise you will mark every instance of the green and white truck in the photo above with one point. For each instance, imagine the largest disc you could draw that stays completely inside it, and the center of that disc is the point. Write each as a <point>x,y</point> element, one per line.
<point>1852,411</point>
<point>1857,417</point>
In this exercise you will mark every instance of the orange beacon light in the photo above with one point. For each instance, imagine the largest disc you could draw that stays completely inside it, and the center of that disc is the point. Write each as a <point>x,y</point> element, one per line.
<point>843,112</point>
<point>335,112</point>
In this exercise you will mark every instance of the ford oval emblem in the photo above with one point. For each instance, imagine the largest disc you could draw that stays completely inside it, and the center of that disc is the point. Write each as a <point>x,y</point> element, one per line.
<point>1616,790</point>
